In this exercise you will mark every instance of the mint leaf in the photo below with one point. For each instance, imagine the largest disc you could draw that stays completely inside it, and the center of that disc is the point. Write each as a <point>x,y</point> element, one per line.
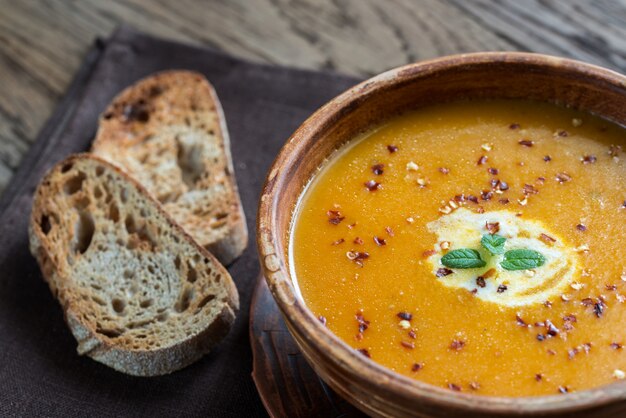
<point>463,258</point>
<point>522,259</point>
<point>493,243</point>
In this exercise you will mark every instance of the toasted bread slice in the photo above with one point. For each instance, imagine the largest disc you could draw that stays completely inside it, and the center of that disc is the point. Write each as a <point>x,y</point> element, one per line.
<point>169,132</point>
<point>138,293</point>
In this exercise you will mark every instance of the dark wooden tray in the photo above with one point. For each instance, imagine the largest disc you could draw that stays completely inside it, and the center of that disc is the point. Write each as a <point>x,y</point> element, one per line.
<point>286,383</point>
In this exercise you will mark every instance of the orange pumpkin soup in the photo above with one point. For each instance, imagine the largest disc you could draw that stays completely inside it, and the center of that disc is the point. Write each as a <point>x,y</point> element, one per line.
<point>477,246</point>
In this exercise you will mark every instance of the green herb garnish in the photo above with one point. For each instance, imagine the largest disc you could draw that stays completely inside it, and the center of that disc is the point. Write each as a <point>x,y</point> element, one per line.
<point>522,259</point>
<point>493,243</point>
<point>463,258</point>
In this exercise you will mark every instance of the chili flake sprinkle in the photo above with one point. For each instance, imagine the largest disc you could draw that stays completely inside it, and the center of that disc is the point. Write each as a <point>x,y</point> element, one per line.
<point>392,148</point>
<point>417,367</point>
<point>563,389</point>
<point>563,177</point>
<point>407,344</point>
<point>581,227</point>
<point>454,387</point>
<point>547,239</point>
<point>365,352</point>
<point>588,159</point>
<point>378,169</point>
<point>502,288</point>
<point>358,241</point>
<point>514,126</point>
<point>443,271</point>
<point>538,377</point>
<point>339,241</point>
<point>405,315</point>
<point>480,281</point>
<point>379,241</point>
<point>372,185</point>
<point>616,346</point>
<point>457,345</point>
<point>482,160</point>
<point>547,158</point>
<point>493,171</point>
<point>335,217</point>
<point>389,231</point>
<point>492,227</point>
<point>525,143</point>
<point>362,322</point>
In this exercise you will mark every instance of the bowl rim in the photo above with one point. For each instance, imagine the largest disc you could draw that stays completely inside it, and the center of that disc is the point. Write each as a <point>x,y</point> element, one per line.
<point>277,272</point>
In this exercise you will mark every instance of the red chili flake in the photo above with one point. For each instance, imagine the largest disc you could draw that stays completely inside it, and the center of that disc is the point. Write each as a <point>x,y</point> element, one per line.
<point>541,180</point>
<point>457,345</point>
<point>378,169</point>
<point>514,126</point>
<point>520,321</point>
<point>529,189</point>
<point>623,205</point>
<point>407,316</point>
<point>358,241</point>
<point>547,304</point>
<point>563,133</point>
<point>334,217</point>
<point>563,389</point>
<point>407,344</point>
<point>454,387</point>
<point>389,231</point>
<point>547,239</point>
<point>486,195</point>
<point>550,351</point>
<point>616,346</point>
<point>412,334</point>
<point>380,241</point>
<point>588,159</point>
<point>503,185</point>
<point>610,287</point>
<point>392,148</point>
<point>552,330</point>
<point>428,253</point>
<point>365,352</point>
<point>482,160</point>
<point>492,227</point>
<point>525,143</point>
<point>372,185</point>
<point>570,318</point>
<point>494,183</point>
<point>563,177</point>
<point>363,323</point>
<point>357,257</point>
<point>474,385</point>
<point>443,271</point>
<point>581,227</point>
<point>339,241</point>
<point>480,281</point>
<point>587,301</point>
<point>547,158</point>
<point>493,171</point>
<point>502,288</point>
<point>351,225</point>
<point>444,170</point>
<point>417,367</point>
<point>538,377</point>
<point>599,307</point>
<point>541,337</point>
<point>322,319</point>
<point>504,201</point>
<point>474,199</point>
<point>480,209</point>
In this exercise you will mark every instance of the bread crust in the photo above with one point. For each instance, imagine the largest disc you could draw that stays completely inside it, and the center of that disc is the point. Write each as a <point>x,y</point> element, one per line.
<point>142,361</point>
<point>143,131</point>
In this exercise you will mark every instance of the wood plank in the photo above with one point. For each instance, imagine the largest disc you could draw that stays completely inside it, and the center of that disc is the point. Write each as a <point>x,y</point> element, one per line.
<point>42,42</point>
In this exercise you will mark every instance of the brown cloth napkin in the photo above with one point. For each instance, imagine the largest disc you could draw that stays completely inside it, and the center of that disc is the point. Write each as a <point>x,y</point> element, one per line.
<point>40,372</point>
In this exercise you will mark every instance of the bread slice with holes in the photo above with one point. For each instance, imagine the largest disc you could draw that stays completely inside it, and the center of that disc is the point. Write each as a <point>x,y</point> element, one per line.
<point>169,132</point>
<point>138,293</point>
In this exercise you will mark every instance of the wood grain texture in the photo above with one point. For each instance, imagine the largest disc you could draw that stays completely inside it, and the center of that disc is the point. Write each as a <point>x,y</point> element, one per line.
<point>42,42</point>
<point>287,384</point>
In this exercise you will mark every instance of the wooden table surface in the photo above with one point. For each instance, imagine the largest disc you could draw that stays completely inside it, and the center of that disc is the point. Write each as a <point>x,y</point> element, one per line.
<point>42,42</point>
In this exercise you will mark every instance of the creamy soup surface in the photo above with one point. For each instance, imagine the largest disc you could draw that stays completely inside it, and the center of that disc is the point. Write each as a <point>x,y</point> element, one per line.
<point>477,246</point>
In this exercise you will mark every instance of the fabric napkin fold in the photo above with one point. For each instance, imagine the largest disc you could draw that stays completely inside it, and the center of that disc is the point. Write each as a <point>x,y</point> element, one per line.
<point>40,372</point>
